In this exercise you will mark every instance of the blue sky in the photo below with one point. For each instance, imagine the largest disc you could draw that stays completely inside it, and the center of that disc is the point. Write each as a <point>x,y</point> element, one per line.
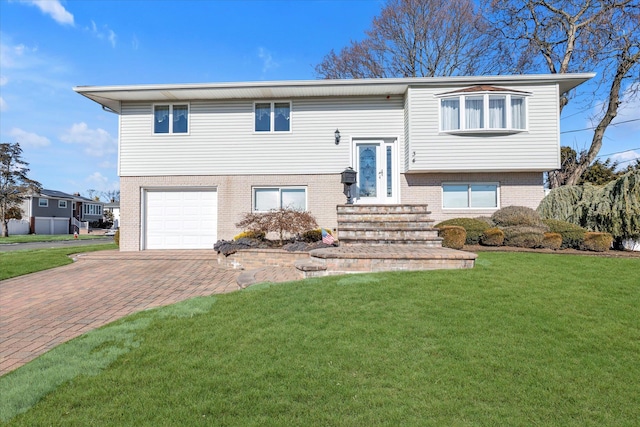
<point>50,46</point>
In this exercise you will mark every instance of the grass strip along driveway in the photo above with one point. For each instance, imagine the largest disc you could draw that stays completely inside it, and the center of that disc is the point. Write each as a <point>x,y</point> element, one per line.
<point>521,339</point>
<point>17,263</point>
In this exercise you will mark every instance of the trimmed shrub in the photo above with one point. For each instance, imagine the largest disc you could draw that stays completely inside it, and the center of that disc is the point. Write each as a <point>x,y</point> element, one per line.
<point>597,242</point>
<point>116,238</point>
<point>492,237</point>
<point>473,227</point>
<point>572,235</point>
<point>250,234</point>
<point>486,219</point>
<point>523,236</point>
<point>280,221</point>
<point>453,236</point>
<point>517,216</point>
<point>552,241</point>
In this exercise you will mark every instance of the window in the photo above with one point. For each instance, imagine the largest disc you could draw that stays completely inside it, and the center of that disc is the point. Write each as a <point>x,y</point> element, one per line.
<point>92,209</point>
<point>469,196</point>
<point>171,118</point>
<point>483,112</point>
<point>62,204</point>
<point>272,116</point>
<point>43,203</point>
<point>266,199</point>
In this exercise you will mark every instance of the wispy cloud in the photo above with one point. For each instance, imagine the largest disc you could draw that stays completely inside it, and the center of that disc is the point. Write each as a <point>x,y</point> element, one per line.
<point>267,60</point>
<point>54,9</point>
<point>29,139</point>
<point>3,104</point>
<point>135,43</point>
<point>95,142</point>
<point>101,183</point>
<point>103,33</point>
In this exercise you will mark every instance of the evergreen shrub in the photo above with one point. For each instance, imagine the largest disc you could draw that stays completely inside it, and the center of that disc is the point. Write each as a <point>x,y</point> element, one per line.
<point>517,216</point>
<point>492,237</point>
<point>473,227</point>
<point>250,234</point>
<point>597,242</point>
<point>552,241</point>
<point>572,235</point>
<point>523,236</point>
<point>453,236</point>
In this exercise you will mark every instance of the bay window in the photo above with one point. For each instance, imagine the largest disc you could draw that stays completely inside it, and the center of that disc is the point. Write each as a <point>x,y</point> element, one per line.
<point>485,112</point>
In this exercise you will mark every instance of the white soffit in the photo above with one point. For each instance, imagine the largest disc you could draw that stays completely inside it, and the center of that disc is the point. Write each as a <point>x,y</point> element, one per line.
<point>112,96</point>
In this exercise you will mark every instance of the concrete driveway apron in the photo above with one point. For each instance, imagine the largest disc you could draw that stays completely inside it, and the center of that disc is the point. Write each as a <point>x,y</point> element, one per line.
<point>41,310</point>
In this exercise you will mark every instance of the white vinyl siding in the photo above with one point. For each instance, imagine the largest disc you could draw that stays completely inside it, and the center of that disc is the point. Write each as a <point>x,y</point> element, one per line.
<point>536,149</point>
<point>223,141</point>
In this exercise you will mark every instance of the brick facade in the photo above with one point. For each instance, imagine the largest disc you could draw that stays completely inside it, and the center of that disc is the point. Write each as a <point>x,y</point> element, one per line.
<point>324,192</point>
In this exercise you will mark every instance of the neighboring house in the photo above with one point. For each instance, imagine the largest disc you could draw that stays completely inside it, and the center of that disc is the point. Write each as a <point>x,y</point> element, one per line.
<point>51,211</point>
<point>193,158</point>
<point>48,212</point>
<point>114,208</point>
<point>85,209</point>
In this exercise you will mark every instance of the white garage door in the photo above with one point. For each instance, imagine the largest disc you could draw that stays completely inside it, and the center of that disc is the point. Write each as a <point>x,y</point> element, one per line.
<point>181,219</point>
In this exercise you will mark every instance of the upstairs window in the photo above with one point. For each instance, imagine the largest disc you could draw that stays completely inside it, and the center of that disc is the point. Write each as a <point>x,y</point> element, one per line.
<point>171,118</point>
<point>43,203</point>
<point>272,116</point>
<point>483,112</point>
<point>62,204</point>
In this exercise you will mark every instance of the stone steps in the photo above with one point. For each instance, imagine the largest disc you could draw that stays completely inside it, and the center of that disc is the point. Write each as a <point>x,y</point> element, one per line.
<point>386,224</point>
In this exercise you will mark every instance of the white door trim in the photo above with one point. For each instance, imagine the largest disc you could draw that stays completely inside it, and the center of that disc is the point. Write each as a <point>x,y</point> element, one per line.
<point>387,169</point>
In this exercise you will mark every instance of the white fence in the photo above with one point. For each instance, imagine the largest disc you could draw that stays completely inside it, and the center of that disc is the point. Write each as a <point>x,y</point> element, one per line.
<point>18,227</point>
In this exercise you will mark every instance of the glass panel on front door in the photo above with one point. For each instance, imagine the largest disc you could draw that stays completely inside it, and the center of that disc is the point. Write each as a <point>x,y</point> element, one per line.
<point>368,172</point>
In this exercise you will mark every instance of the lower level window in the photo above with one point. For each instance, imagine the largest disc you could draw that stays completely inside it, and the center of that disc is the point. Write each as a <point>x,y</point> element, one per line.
<point>469,196</point>
<point>266,199</point>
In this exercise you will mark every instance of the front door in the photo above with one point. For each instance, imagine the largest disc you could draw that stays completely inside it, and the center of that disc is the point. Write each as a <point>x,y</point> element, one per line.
<point>375,164</point>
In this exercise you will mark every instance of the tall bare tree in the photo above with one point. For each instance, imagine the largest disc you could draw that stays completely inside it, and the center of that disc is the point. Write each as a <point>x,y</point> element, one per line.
<point>417,38</point>
<point>568,36</point>
<point>15,186</point>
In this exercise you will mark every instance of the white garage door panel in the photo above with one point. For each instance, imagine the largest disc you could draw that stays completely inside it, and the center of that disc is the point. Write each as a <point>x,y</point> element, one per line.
<point>181,219</point>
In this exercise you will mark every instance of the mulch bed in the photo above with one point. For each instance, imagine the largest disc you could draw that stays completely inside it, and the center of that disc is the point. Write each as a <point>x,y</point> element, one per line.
<point>610,253</point>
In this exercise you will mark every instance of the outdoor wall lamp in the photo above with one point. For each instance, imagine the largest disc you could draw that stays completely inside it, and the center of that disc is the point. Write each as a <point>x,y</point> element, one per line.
<point>337,135</point>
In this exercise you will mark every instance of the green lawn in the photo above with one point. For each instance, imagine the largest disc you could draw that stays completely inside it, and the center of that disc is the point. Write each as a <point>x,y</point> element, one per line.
<point>17,263</point>
<point>522,339</point>
<point>46,238</point>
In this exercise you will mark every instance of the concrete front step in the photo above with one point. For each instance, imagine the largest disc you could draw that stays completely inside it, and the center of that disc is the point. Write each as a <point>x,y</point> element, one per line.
<point>386,209</point>
<point>390,218</point>
<point>369,258</point>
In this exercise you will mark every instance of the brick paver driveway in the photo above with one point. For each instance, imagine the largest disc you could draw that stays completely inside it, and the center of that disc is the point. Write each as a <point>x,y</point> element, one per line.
<point>41,310</point>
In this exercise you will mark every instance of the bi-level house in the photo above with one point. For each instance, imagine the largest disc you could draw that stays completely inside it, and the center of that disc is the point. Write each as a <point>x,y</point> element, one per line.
<point>193,158</point>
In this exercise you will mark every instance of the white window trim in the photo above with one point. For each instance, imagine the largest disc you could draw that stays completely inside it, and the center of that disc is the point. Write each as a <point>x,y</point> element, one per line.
<point>62,204</point>
<point>279,188</point>
<point>469,184</point>
<point>170,105</point>
<point>272,118</point>
<point>41,205</point>
<point>486,129</point>
<point>86,209</point>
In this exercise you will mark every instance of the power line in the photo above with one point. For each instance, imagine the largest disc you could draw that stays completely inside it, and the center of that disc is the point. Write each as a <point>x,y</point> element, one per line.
<point>591,128</point>
<point>618,152</point>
